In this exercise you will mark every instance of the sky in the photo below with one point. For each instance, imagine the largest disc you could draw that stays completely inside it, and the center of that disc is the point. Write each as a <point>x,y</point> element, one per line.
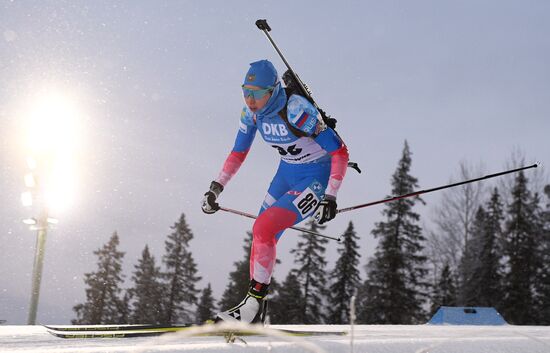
<point>155,102</point>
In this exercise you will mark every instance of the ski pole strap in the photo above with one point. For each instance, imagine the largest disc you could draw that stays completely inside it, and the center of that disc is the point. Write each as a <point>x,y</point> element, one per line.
<point>300,229</point>
<point>420,192</point>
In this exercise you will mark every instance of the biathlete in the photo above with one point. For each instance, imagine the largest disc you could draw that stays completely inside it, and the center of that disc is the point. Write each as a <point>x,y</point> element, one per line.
<point>313,164</point>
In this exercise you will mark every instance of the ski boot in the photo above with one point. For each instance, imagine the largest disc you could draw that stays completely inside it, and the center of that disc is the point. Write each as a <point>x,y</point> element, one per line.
<point>252,309</point>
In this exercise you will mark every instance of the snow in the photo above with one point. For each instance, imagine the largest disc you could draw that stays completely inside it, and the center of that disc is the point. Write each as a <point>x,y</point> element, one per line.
<point>367,339</point>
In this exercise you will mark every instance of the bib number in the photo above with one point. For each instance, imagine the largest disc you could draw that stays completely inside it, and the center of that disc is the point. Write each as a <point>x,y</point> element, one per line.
<point>291,149</point>
<point>306,202</point>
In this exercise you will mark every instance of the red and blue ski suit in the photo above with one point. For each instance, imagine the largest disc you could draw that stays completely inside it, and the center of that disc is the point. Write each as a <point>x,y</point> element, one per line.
<point>312,165</point>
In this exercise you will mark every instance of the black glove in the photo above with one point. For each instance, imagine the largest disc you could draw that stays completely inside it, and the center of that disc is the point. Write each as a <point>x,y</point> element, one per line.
<point>209,204</point>
<point>326,209</point>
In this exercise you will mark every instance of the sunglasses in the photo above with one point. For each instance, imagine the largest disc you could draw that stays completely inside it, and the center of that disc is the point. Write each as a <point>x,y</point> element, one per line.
<point>256,93</point>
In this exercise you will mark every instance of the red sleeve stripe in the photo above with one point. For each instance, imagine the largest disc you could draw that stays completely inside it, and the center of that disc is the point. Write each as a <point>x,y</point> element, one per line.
<point>232,164</point>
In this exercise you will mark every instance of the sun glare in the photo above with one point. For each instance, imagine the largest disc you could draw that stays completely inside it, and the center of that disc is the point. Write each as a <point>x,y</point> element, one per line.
<point>52,142</point>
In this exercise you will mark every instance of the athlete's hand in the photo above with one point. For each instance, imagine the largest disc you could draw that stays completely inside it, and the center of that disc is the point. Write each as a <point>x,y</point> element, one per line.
<point>326,209</point>
<point>209,204</point>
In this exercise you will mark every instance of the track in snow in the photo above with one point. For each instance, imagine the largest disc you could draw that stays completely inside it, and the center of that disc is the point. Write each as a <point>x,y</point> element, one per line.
<point>368,339</point>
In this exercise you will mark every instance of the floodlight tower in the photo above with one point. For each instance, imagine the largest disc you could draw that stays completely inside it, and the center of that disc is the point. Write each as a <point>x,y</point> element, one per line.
<point>41,225</point>
<point>50,144</point>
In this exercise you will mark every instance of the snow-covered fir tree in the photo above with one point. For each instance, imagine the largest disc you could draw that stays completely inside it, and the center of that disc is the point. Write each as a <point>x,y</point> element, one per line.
<point>396,286</point>
<point>444,291</point>
<point>206,309</point>
<point>311,274</point>
<point>104,304</point>
<point>345,278</point>
<point>521,237</point>
<point>147,291</point>
<point>237,287</point>
<point>181,275</point>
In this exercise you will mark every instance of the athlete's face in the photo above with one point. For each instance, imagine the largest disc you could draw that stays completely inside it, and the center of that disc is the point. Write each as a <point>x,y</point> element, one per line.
<point>256,97</point>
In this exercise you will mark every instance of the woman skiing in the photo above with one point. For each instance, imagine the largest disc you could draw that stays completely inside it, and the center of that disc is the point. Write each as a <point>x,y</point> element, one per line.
<point>313,164</point>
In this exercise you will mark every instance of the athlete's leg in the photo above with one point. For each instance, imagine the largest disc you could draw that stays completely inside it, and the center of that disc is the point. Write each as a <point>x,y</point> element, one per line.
<point>261,245</point>
<point>291,208</point>
<point>264,244</point>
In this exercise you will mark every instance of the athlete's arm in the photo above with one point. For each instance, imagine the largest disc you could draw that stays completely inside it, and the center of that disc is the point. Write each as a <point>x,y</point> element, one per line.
<point>331,142</point>
<point>304,116</point>
<point>334,145</point>
<point>238,154</point>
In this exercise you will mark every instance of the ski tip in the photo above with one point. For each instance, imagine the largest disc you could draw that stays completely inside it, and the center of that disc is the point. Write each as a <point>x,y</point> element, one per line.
<point>538,164</point>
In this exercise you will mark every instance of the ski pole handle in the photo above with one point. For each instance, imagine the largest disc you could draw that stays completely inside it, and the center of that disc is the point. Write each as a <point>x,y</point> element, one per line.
<point>262,25</point>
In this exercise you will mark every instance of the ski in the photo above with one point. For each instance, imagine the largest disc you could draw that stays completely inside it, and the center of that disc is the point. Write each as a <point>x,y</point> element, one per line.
<point>132,331</point>
<point>104,334</point>
<point>112,331</point>
<point>124,327</point>
<point>307,333</point>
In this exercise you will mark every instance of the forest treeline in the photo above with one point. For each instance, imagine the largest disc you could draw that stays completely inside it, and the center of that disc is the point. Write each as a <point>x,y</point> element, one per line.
<point>488,246</point>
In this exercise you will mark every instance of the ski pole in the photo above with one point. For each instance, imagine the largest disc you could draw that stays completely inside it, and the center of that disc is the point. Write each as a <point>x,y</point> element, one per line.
<point>304,230</point>
<point>420,192</point>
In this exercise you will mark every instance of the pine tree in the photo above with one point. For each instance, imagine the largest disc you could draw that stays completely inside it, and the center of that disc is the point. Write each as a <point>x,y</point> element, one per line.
<point>103,302</point>
<point>311,274</point>
<point>286,308</point>
<point>206,309</point>
<point>520,246</point>
<point>124,310</point>
<point>480,270</point>
<point>470,262</point>
<point>444,293</point>
<point>181,275</point>
<point>394,292</point>
<point>489,270</point>
<point>238,279</point>
<point>147,291</point>
<point>542,282</point>
<point>345,279</point>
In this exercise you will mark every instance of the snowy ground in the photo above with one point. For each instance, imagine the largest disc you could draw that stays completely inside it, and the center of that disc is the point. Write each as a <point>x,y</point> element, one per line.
<point>367,339</point>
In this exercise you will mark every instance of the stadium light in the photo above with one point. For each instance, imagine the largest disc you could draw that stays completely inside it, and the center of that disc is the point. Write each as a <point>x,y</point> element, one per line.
<point>29,180</point>
<point>26,199</point>
<point>51,139</point>
<point>30,221</point>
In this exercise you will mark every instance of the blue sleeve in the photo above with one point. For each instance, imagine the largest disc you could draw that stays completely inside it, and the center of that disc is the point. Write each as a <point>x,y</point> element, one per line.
<point>329,140</point>
<point>247,132</point>
<point>302,114</point>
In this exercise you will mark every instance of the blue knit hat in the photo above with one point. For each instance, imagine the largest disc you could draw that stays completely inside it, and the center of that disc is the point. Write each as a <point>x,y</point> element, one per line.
<point>262,74</point>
